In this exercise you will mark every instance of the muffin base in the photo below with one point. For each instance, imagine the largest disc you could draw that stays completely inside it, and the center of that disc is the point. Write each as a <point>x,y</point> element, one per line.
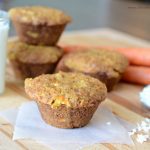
<point>23,70</point>
<point>65,117</point>
<point>109,81</point>
<point>39,34</point>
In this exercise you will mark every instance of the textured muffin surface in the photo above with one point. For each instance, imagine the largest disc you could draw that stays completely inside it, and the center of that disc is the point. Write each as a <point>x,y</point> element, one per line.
<point>38,15</point>
<point>70,89</point>
<point>93,61</point>
<point>33,54</point>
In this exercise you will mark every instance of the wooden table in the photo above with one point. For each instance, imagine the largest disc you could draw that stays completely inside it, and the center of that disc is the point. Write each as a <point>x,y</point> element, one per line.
<point>124,100</point>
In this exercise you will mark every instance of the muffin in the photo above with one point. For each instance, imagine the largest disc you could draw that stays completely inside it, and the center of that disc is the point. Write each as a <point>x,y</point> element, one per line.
<point>39,25</point>
<point>66,100</point>
<point>107,66</point>
<point>31,61</point>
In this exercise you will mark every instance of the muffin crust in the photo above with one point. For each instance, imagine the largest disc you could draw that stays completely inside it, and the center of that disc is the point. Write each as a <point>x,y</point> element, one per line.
<point>70,89</point>
<point>92,61</point>
<point>39,15</point>
<point>33,54</point>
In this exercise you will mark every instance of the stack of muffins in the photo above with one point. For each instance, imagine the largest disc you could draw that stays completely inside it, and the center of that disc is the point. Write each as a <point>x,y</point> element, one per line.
<point>39,29</point>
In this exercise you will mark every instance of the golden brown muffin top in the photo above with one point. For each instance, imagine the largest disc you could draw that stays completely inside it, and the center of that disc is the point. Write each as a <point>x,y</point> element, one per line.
<point>70,89</point>
<point>94,61</point>
<point>39,15</point>
<point>33,54</point>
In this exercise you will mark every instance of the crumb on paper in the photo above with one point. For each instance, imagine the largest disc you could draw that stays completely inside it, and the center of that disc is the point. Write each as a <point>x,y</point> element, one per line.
<point>108,123</point>
<point>142,138</point>
<point>142,131</point>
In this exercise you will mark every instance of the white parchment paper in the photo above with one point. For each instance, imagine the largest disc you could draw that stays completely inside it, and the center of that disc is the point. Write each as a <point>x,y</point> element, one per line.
<point>103,128</point>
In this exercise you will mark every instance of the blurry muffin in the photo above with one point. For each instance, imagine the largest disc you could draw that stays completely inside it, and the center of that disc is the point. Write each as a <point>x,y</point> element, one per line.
<point>39,25</point>
<point>66,100</point>
<point>31,61</point>
<point>107,66</point>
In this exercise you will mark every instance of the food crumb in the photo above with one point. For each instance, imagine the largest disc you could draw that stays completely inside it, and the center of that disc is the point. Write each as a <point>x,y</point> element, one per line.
<point>108,123</point>
<point>142,131</point>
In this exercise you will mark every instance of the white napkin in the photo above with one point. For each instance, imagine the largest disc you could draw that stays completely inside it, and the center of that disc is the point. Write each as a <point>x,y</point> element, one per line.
<point>103,128</point>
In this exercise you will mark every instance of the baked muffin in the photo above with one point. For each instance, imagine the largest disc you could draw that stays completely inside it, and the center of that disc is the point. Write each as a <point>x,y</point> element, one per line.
<point>31,61</point>
<point>107,66</point>
<point>39,25</point>
<point>66,100</point>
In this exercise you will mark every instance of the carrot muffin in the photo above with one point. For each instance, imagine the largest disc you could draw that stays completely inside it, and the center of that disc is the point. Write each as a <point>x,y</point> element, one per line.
<point>31,61</point>
<point>66,100</point>
<point>39,25</point>
<point>107,66</point>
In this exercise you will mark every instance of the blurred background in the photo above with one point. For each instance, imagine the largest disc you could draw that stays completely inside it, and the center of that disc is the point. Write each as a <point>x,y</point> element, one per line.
<point>131,16</point>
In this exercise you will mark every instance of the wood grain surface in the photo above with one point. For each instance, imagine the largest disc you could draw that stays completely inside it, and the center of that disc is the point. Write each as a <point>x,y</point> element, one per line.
<point>123,100</point>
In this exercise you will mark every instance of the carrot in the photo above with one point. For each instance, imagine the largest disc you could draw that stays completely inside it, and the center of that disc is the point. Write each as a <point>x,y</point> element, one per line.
<point>137,74</point>
<point>136,56</point>
<point>72,48</point>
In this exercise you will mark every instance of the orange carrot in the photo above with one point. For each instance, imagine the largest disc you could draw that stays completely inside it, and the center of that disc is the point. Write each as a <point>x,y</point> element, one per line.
<point>72,48</point>
<point>137,74</point>
<point>136,56</point>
